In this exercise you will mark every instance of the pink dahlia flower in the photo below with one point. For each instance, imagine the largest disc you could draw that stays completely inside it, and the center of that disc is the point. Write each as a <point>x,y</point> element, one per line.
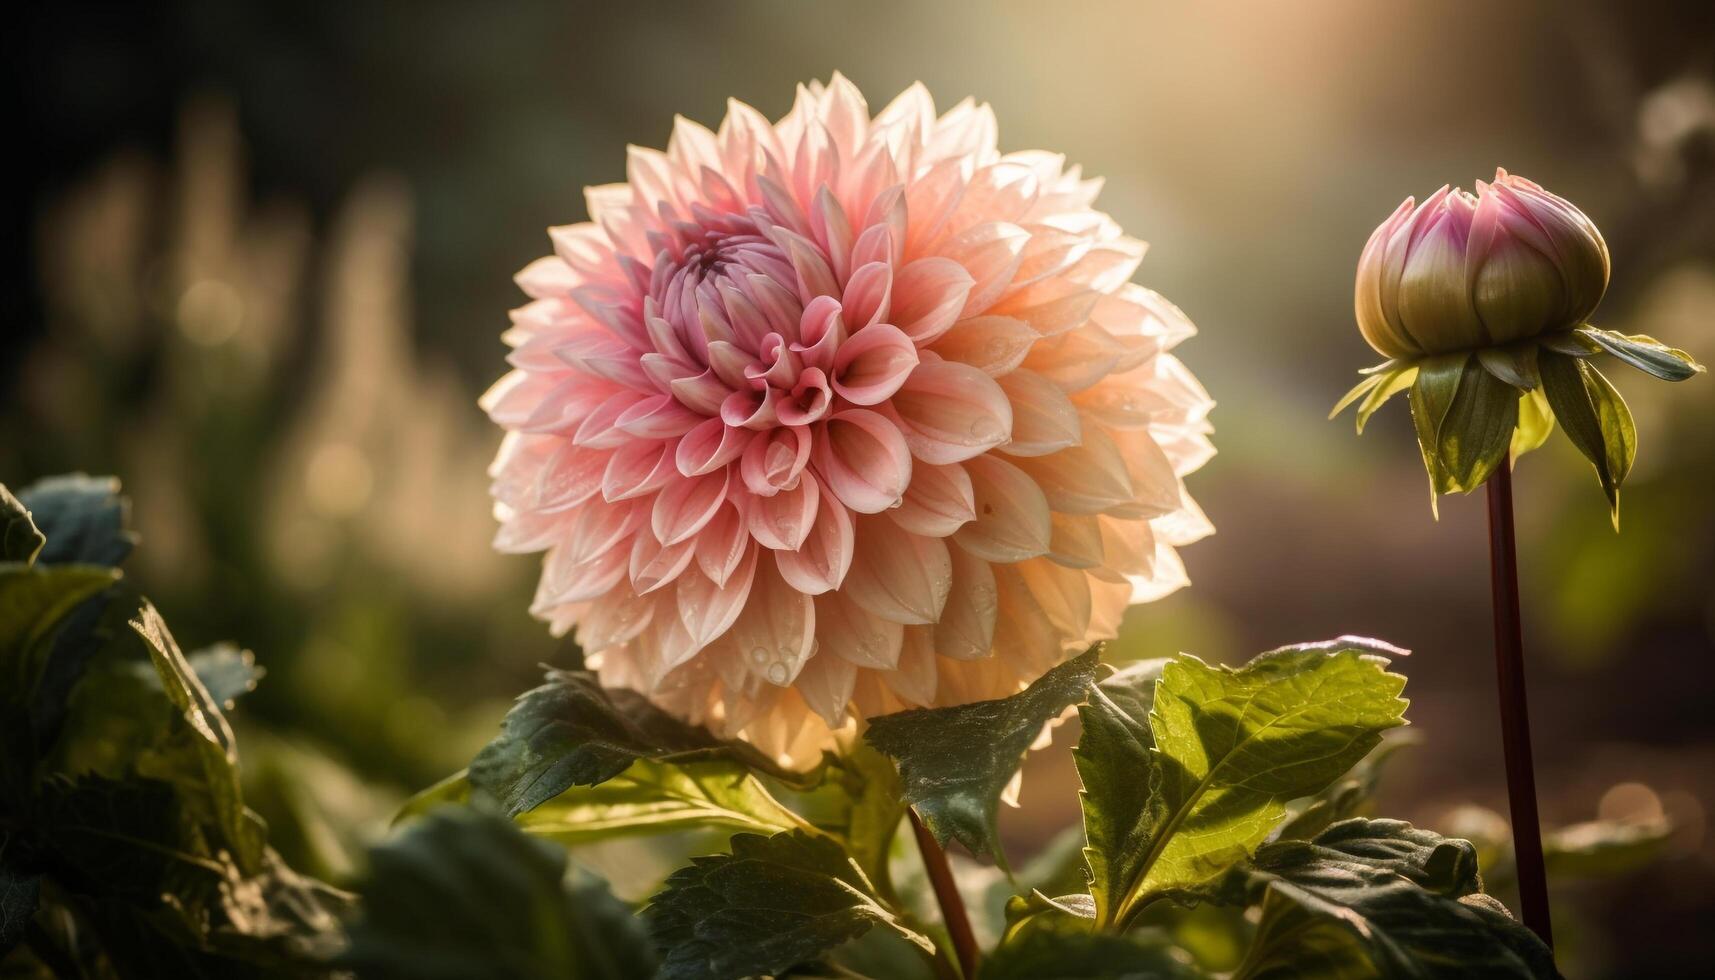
<point>830,417</point>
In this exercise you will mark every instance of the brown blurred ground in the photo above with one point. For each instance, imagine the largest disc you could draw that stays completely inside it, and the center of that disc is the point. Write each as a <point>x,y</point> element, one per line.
<point>262,257</point>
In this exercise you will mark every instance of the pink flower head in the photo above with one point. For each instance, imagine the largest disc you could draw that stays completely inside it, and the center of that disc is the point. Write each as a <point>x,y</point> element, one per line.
<point>839,415</point>
<point>1463,271</point>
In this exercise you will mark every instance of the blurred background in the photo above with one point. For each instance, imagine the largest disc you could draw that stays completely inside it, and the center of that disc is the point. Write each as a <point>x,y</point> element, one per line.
<point>259,258</point>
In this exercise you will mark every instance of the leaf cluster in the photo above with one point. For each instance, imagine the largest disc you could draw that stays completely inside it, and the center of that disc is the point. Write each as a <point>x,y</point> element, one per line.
<point>125,846</point>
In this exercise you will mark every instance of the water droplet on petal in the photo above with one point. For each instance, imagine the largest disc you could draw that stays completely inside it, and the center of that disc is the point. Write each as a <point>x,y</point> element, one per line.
<point>985,429</point>
<point>776,673</point>
<point>758,655</point>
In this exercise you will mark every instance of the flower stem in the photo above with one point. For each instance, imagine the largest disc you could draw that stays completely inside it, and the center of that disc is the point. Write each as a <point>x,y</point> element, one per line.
<point>947,896</point>
<point>1515,720</point>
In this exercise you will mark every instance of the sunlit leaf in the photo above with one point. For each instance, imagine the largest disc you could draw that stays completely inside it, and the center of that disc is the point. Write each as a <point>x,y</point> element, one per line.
<point>1476,430</point>
<point>772,904</point>
<point>1595,418</point>
<point>1535,423</point>
<point>1351,796</point>
<point>956,761</point>
<point>1647,354</point>
<point>652,797</point>
<point>1221,751</point>
<point>464,894</point>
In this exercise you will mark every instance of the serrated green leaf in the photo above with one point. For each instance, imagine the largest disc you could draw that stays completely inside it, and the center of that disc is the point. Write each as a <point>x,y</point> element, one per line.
<point>1514,364</point>
<point>20,541</point>
<point>1476,431</point>
<point>1379,899</point>
<point>1114,763</point>
<point>1226,750</point>
<point>573,732</point>
<point>956,761</point>
<point>463,893</point>
<point>1535,423</point>
<point>1647,354</point>
<point>83,519</point>
<point>654,797</point>
<point>1595,418</point>
<point>210,739</point>
<point>772,904</point>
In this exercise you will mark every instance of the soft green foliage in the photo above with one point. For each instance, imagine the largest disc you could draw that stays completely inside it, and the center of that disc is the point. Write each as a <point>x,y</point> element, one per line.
<point>1221,752</point>
<point>121,820</point>
<point>462,893</point>
<point>956,762</point>
<point>1594,417</point>
<point>1465,418</point>
<point>1379,899</point>
<point>773,903</point>
<point>1647,354</point>
<point>1076,953</point>
<point>20,540</point>
<point>655,797</point>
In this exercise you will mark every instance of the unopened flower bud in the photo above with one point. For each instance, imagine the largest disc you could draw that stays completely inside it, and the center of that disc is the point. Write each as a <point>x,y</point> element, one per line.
<point>1464,271</point>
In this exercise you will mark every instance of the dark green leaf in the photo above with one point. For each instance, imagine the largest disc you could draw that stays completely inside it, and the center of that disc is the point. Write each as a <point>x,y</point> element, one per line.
<point>19,539</point>
<point>1594,417</point>
<point>1515,365</point>
<point>1079,954</point>
<point>772,904</point>
<point>1115,765</point>
<point>573,732</point>
<point>1476,431</point>
<point>209,738</point>
<point>19,893</point>
<point>1345,799</point>
<point>464,894</point>
<point>955,762</point>
<point>1381,899</point>
<point>1226,749</point>
<point>1647,354</point>
<point>1432,394</point>
<point>83,518</point>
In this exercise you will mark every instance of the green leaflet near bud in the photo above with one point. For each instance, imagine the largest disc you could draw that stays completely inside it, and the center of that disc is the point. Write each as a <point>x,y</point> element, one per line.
<point>1647,354</point>
<point>1595,418</point>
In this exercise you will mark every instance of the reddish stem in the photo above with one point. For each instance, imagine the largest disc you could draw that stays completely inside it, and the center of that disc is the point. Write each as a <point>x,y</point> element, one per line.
<point>1515,720</point>
<point>953,914</point>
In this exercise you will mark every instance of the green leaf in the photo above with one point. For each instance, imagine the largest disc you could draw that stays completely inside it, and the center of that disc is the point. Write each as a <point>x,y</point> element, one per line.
<point>1432,394</point>
<point>956,761</point>
<point>20,892</point>
<point>1647,354</point>
<point>1514,364</point>
<point>1568,342</point>
<point>19,539</point>
<point>1381,383</point>
<point>208,737</point>
<point>1595,418</point>
<point>859,800</point>
<point>1535,423</point>
<point>1381,899</point>
<point>1225,749</point>
<point>1114,760</point>
<point>654,797</point>
<point>772,904</point>
<point>463,893</point>
<point>573,732</point>
<point>83,518</point>
<point>1476,431</point>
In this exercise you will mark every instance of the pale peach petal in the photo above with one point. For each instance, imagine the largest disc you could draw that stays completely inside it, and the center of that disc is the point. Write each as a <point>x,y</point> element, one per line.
<point>950,412</point>
<point>966,628</point>
<point>928,295</point>
<point>870,367</point>
<point>1012,520</point>
<point>938,501</point>
<point>709,608</point>
<point>709,446</point>
<point>723,543</point>
<point>916,678</point>
<point>868,295</point>
<point>1076,541</point>
<point>685,507</point>
<point>782,521</point>
<point>599,526</point>
<point>653,565</point>
<point>775,461</point>
<point>1044,420</point>
<point>991,253</point>
<point>991,344</point>
<point>863,459</point>
<point>572,475</point>
<point>846,630</point>
<point>824,557</point>
<point>899,576</point>
<point>776,628</point>
<point>826,686</point>
<point>616,619</point>
<point>1088,478</point>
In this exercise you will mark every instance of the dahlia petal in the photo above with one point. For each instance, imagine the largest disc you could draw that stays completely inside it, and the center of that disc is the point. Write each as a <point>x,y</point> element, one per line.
<point>776,627</point>
<point>868,296</point>
<point>833,231</point>
<point>1012,519</point>
<point>1056,316</point>
<point>1063,593</point>
<point>966,627</point>
<point>1088,478</point>
<point>782,521</point>
<point>873,363</point>
<point>949,412</point>
<point>899,576</point>
<point>600,430</point>
<point>709,446</point>
<point>616,619</point>
<point>826,686</point>
<point>874,245</point>
<point>701,393</point>
<point>930,199</point>
<point>821,331</point>
<point>809,399</point>
<point>916,679</point>
<point>708,608</point>
<point>685,507</point>
<point>569,578</point>
<point>1150,471</point>
<point>1127,545</point>
<point>846,630</point>
<point>773,462</point>
<point>1004,191</point>
<point>654,565</point>
<point>723,544</point>
<point>547,277</point>
<point>938,502</point>
<point>657,417</point>
<point>582,247</point>
<point>824,557</point>
<point>598,527</point>
<point>863,459</point>
<point>635,469</point>
<point>994,345</point>
<point>1166,576</point>
<point>991,253</point>
<point>927,297</point>
<point>815,277</point>
<point>751,409</point>
<point>1027,641</point>
<point>569,477</point>
<point>1044,420</point>
<point>523,533</point>
<point>1076,540</point>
